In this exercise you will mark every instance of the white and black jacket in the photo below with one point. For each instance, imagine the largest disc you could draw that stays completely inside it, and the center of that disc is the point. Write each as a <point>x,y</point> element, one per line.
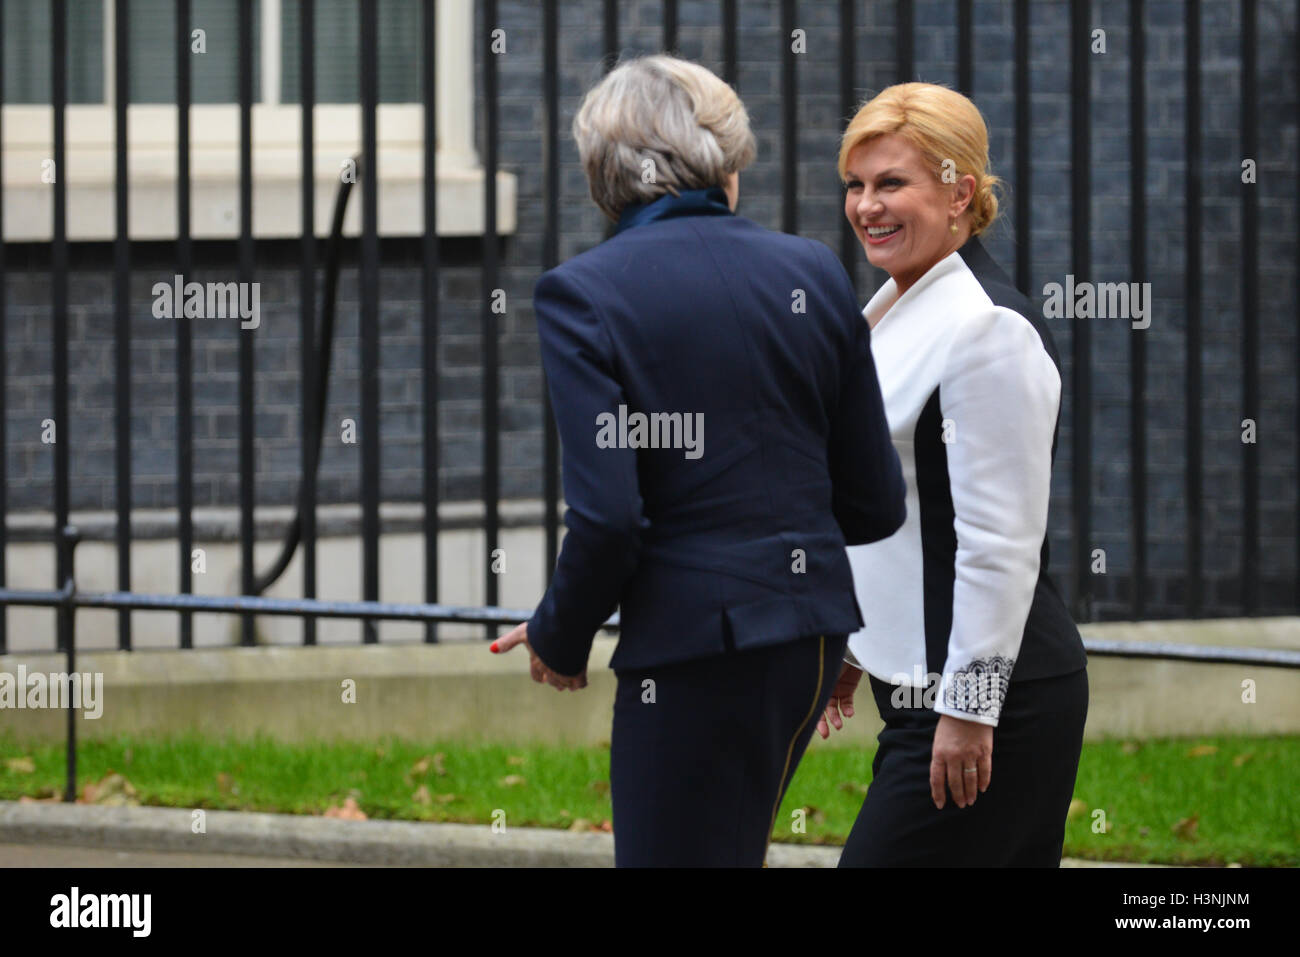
<point>972,389</point>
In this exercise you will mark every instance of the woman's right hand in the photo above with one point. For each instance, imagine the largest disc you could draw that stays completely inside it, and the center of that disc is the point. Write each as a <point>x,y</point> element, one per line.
<point>841,700</point>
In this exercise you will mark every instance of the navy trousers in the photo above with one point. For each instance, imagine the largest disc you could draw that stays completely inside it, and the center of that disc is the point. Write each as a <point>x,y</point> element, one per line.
<point>1018,822</point>
<point>702,751</point>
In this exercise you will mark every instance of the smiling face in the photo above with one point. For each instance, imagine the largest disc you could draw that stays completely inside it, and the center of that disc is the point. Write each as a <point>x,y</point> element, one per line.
<point>901,211</point>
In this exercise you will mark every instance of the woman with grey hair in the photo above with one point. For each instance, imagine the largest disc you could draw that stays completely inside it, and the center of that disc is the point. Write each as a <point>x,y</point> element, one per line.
<point>727,561</point>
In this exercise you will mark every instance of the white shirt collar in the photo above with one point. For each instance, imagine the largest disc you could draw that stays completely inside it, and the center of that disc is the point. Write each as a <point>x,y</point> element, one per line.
<point>889,290</point>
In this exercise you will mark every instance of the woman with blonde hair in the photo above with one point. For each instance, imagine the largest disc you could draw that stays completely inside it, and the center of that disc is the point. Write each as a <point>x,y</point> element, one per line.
<point>974,661</point>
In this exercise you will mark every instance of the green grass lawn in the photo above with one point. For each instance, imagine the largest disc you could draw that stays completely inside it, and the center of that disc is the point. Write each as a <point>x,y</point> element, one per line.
<point>1184,801</point>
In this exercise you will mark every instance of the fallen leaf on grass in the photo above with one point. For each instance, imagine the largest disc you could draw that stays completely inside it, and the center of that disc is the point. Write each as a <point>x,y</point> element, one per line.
<point>514,760</point>
<point>512,780</point>
<point>349,811</point>
<point>226,784</point>
<point>1078,807</point>
<point>600,787</point>
<point>1202,750</point>
<point>1186,828</point>
<point>423,796</point>
<point>20,766</point>
<point>422,767</point>
<point>28,799</point>
<point>590,827</point>
<point>1130,747</point>
<point>814,814</point>
<point>1242,758</point>
<point>112,791</point>
<point>853,787</point>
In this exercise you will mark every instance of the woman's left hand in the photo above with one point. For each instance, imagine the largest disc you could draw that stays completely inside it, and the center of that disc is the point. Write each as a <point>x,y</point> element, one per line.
<point>536,667</point>
<point>962,758</point>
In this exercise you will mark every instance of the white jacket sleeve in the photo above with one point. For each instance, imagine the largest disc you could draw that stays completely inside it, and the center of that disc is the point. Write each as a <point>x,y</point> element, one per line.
<point>999,396</point>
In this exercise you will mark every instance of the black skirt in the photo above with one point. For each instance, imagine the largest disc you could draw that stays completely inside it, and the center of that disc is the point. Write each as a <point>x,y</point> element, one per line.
<point>1018,822</point>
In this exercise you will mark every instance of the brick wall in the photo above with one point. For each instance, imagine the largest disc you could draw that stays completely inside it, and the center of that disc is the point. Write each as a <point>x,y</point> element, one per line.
<point>29,397</point>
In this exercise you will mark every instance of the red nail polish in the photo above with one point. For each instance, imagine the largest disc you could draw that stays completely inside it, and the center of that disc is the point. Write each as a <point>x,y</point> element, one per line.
<point>494,647</point>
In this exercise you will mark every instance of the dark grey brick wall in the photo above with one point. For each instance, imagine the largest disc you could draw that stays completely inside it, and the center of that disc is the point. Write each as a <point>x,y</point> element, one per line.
<point>90,432</point>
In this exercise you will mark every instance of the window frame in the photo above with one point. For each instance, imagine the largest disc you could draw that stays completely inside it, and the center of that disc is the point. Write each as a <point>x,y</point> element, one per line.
<point>276,155</point>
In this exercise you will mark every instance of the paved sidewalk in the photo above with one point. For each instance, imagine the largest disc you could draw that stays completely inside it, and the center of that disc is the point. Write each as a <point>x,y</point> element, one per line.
<point>34,835</point>
<point>47,855</point>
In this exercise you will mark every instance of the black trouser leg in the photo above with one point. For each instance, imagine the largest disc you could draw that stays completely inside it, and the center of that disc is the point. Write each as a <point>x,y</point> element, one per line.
<point>1018,821</point>
<point>702,751</point>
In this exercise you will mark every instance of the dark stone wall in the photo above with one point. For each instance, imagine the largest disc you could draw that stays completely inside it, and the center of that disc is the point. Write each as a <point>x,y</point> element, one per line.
<point>461,289</point>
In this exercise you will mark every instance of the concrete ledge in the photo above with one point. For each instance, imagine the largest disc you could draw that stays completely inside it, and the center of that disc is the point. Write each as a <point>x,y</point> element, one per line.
<point>1132,698</point>
<point>455,691</point>
<point>461,691</point>
<point>463,566</point>
<point>270,522</point>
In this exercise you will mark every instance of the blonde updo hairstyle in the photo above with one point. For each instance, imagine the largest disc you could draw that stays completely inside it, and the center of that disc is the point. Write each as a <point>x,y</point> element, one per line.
<point>943,125</point>
<point>665,114</point>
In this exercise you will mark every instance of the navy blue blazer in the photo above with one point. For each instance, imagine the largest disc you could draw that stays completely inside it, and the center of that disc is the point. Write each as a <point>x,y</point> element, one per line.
<point>732,536</point>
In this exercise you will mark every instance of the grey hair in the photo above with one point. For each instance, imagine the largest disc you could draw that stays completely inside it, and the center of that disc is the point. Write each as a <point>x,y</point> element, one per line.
<point>657,125</point>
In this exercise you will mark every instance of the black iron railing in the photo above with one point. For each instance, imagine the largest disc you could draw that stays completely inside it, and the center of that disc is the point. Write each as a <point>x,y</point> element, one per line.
<point>315,330</point>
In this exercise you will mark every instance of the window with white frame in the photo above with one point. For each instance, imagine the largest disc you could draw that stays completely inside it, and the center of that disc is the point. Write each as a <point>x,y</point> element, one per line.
<point>214,119</point>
